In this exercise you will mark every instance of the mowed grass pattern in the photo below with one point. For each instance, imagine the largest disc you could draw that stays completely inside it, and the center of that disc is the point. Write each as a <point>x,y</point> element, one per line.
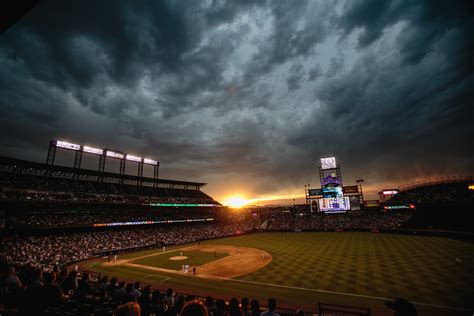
<point>194,258</point>
<point>419,268</point>
<point>423,269</point>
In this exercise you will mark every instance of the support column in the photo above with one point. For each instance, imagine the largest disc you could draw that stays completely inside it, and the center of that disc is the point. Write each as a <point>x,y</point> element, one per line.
<point>156,172</point>
<point>78,159</point>
<point>51,153</point>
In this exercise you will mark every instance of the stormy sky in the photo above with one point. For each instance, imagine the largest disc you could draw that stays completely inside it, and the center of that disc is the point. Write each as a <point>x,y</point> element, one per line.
<point>248,95</point>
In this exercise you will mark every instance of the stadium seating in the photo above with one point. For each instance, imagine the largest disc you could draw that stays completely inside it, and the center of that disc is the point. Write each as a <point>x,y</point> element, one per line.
<point>31,291</point>
<point>21,187</point>
<point>308,221</point>
<point>443,205</point>
<point>435,194</point>
<point>56,250</point>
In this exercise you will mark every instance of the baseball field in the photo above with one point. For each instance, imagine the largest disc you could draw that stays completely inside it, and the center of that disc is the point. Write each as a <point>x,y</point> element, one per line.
<point>302,269</point>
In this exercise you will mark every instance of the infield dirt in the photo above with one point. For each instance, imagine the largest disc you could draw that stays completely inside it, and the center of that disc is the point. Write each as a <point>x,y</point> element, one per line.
<point>240,261</point>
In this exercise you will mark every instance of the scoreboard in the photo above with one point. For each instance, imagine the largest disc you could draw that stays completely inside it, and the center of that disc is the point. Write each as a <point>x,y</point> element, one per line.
<point>334,205</point>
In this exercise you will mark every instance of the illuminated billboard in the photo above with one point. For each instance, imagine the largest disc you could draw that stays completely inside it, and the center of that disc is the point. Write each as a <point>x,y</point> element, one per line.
<point>67,145</point>
<point>390,192</point>
<point>92,150</point>
<point>315,192</point>
<point>352,189</point>
<point>399,207</point>
<point>328,163</point>
<point>334,205</point>
<point>331,179</point>
<point>134,158</point>
<point>169,221</point>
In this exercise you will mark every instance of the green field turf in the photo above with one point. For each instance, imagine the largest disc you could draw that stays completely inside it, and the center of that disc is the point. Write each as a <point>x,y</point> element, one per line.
<point>195,258</point>
<point>347,268</point>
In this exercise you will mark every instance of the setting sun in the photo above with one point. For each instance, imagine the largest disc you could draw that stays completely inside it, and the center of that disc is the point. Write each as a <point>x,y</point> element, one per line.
<point>235,201</point>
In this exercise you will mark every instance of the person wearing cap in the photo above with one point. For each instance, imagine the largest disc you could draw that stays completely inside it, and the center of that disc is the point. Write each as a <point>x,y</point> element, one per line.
<point>401,307</point>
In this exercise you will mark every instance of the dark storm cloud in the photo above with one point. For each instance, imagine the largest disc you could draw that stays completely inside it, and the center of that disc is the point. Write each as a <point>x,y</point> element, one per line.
<point>247,92</point>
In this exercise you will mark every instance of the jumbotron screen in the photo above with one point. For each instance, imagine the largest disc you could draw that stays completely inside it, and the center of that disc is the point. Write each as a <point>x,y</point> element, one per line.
<point>334,205</point>
<point>328,163</point>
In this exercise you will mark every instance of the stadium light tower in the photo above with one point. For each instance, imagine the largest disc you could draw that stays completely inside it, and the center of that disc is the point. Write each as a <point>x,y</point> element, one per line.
<point>361,194</point>
<point>306,192</point>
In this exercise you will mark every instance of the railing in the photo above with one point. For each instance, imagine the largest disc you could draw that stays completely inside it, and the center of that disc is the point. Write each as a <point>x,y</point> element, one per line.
<point>341,310</point>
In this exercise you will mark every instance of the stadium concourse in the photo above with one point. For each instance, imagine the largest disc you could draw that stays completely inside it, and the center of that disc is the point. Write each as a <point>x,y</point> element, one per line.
<point>55,217</point>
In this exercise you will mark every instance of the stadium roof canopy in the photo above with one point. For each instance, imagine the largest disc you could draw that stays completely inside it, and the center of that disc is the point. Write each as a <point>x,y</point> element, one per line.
<point>69,172</point>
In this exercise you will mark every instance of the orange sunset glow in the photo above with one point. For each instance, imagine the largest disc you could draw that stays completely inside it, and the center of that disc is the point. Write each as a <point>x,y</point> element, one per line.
<point>239,201</point>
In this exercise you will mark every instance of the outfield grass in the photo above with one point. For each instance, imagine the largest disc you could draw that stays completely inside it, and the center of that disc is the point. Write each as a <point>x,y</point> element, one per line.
<point>194,258</point>
<point>364,268</point>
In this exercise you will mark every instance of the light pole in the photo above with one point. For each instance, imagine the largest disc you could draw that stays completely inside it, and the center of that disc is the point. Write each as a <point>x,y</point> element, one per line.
<point>361,194</point>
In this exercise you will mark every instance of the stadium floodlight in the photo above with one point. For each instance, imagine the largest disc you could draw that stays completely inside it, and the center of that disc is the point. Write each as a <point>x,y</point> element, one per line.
<point>328,163</point>
<point>92,150</point>
<point>66,145</point>
<point>113,154</point>
<point>133,158</point>
<point>150,161</point>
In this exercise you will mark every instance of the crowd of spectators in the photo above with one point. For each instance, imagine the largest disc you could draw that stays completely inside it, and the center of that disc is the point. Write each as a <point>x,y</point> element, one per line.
<point>49,250</point>
<point>48,196</point>
<point>25,187</point>
<point>32,291</point>
<point>454,192</point>
<point>47,219</point>
<point>352,219</point>
<point>54,250</point>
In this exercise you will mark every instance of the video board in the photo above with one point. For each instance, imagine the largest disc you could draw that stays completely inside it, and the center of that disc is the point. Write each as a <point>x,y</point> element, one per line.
<point>334,205</point>
<point>332,191</point>
<point>328,163</point>
<point>355,202</point>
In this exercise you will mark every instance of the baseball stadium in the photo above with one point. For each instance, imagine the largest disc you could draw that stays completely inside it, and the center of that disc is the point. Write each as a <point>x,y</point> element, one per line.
<point>236,158</point>
<point>336,254</point>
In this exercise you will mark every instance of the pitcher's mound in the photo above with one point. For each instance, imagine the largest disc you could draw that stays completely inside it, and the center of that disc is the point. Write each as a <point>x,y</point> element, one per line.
<point>176,258</point>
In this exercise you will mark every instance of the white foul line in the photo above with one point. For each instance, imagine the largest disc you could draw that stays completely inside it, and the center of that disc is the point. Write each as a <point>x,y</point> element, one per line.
<point>347,294</point>
<point>164,279</point>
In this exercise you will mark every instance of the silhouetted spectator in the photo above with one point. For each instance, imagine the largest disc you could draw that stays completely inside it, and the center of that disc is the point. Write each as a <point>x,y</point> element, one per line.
<point>156,303</point>
<point>221,309</point>
<point>145,299</point>
<point>128,309</point>
<point>112,287</point>
<point>271,308</point>
<point>234,309</point>
<point>70,284</point>
<point>51,294</point>
<point>245,307</point>
<point>194,308</point>
<point>120,292</point>
<point>401,307</point>
<point>178,305</point>
<point>255,307</point>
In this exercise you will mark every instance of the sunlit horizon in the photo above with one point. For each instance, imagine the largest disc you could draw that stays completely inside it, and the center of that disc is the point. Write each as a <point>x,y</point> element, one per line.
<point>239,201</point>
